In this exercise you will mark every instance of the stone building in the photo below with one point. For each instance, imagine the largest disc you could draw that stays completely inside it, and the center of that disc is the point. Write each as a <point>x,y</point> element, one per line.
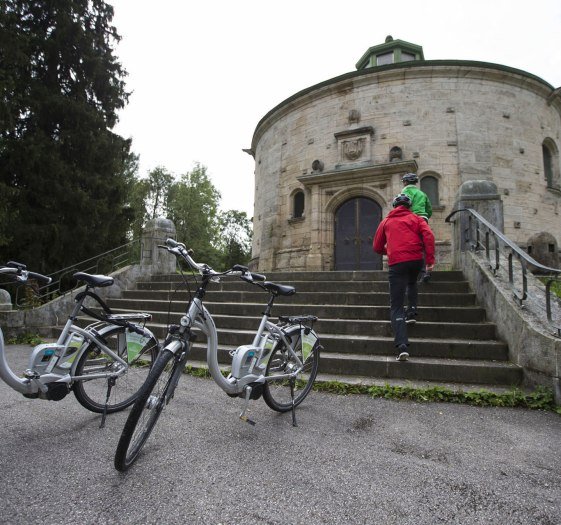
<point>329,159</point>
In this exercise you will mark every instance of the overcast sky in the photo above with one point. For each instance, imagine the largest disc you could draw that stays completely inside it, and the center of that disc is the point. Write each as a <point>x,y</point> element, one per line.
<point>203,73</point>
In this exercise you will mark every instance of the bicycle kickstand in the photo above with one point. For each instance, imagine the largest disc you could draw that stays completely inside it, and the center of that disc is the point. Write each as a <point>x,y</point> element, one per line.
<point>243,417</point>
<point>292,383</point>
<point>110,385</point>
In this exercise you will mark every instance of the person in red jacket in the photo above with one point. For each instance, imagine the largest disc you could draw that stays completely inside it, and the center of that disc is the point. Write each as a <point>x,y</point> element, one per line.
<point>404,237</point>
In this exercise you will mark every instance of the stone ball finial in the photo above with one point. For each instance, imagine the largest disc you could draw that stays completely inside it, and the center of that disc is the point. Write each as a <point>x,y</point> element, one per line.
<point>389,38</point>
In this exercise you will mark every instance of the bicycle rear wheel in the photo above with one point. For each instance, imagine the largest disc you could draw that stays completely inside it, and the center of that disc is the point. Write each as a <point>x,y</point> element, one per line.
<point>92,393</point>
<point>146,410</point>
<point>277,393</point>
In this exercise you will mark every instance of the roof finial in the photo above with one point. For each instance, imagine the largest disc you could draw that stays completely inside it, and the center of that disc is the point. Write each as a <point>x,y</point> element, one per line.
<point>389,38</point>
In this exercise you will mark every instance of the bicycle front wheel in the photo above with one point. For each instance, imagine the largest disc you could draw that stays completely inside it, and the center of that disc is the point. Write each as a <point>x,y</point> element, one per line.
<point>92,392</point>
<point>146,410</point>
<point>278,393</point>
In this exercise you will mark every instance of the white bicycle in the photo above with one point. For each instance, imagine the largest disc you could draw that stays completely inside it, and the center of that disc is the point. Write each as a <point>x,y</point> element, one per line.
<point>281,364</point>
<point>104,364</point>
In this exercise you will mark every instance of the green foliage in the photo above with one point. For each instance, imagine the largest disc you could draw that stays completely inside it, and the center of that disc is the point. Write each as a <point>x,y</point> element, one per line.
<point>234,241</point>
<point>60,89</point>
<point>555,285</point>
<point>540,399</point>
<point>25,339</point>
<point>192,205</point>
<point>220,239</point>
<point>148,198</point>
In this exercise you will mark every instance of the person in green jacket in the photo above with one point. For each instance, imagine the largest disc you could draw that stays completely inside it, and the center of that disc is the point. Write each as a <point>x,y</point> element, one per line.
<point>421,203</point>
<point>420,206</point>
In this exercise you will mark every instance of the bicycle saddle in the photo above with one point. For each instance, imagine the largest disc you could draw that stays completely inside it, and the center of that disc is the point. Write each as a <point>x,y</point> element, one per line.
<point>279,289</point>
<point>94,280</point>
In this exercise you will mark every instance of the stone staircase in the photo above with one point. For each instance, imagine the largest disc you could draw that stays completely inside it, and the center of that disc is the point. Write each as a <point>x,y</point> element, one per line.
<point>452,343</point>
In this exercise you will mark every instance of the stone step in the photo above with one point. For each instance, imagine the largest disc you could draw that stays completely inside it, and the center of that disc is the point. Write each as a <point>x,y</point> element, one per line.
<point>393,382</point>
<point>315,298</point>
<point>418,368</point>
<point>380,275</point>
<point>451,342</point>
<point>348,327</point>
<point>468,314</point>
<point>317,286</point>
<point>423,368</point>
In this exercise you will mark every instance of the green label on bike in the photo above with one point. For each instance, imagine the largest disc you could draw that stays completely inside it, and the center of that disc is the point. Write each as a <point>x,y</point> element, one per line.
<point>308,342</point>
<point>71,352</point>
<point>135,344</point>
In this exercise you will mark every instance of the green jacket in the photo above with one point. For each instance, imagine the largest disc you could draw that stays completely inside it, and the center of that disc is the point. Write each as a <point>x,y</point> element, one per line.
<point>420,202</point>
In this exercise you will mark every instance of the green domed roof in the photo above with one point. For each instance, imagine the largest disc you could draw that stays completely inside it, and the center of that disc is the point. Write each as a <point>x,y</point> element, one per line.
<point>390,52</point>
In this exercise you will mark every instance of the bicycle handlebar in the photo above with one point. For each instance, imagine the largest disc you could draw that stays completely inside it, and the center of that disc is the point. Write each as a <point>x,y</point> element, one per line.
<point>19,273</point>
<point>39,277</point>
<point>244,270</point>
<point>180,250</point>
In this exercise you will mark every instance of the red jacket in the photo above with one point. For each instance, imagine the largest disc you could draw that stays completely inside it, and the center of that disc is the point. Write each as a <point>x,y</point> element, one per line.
<point>404,236</point>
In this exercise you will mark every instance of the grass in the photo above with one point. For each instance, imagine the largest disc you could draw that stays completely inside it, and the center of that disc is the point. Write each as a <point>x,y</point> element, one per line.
<point>555,286</point>
<point>540,399</point>
<point>25,339</point>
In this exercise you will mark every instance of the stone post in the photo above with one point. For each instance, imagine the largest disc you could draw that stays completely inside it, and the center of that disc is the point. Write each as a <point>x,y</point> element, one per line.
<point>5,300</point>
<point>155,233</point>
<point>481,196</point>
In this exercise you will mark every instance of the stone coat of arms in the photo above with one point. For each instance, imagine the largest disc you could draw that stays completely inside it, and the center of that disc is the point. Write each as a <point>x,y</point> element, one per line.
<point>352,149</point>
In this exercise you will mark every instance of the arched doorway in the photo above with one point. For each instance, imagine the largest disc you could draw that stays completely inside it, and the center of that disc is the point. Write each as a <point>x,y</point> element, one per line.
<point>356,221</point>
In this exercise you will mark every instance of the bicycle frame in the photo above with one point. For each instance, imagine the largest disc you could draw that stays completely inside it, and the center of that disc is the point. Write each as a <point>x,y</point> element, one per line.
<point>199,318</point>
<point>35,384</point>
<point>58,368</point>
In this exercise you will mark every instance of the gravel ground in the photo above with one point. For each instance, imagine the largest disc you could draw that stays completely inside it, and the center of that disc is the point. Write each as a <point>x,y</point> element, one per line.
<point>351,460</point>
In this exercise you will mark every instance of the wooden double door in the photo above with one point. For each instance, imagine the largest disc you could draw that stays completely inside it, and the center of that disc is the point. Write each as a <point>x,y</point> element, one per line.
<point>356,221</point>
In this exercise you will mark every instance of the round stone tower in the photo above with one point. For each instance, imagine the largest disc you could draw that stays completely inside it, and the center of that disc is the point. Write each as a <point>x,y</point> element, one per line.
<point>329,159</point>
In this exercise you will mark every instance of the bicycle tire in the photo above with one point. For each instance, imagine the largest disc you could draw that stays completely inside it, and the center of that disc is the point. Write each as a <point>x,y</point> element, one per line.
<point>92,394</point>
<point>277,394</point>
<point>145,411</point>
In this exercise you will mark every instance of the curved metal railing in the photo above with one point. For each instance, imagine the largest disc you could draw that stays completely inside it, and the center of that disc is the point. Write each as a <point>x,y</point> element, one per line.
<point>63,281</point>
<point>480,234</point>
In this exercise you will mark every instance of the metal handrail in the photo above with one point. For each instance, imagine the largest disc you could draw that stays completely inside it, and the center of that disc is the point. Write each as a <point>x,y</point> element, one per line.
<point>484,232</point>
<point>62,281</point>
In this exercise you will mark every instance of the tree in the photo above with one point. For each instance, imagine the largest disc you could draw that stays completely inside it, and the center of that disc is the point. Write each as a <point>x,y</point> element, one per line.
<point>192,205</point>
<point>148,198</point>
<point>67,173</point>
<point>234,238</point>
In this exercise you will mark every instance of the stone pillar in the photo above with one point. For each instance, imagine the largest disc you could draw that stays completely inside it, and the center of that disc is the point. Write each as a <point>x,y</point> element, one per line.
<point>156,232</point>
<point>5,300</point>
<point>314,258</point>
<point>543,248</point>
<point>481,196</point>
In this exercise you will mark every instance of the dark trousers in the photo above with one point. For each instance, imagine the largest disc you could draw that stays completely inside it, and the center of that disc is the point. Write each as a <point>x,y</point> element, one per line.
<point>403,281</point>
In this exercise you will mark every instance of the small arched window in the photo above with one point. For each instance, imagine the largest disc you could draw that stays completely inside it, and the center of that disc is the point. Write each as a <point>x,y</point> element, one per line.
<point>429,185</point>
<point>298,204</point>
<point>551,164</point>
<point>396,154</point>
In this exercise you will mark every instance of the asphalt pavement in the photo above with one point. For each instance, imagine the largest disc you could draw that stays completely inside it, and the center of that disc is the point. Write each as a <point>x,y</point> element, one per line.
<point>351,460</point>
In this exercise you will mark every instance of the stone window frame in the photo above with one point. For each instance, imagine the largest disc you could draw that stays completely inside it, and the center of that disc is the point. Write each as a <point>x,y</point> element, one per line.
<point>552,176</point>
<point>436,176</point>
<point>297,205</point>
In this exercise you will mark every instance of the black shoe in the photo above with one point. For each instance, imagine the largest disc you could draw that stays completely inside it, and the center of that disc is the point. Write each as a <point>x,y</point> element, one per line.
<point>410,317</point>
<point>403,354</point>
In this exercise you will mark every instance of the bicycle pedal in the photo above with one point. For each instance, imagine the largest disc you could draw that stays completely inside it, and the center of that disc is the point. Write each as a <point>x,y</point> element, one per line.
<point>247,420</point>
